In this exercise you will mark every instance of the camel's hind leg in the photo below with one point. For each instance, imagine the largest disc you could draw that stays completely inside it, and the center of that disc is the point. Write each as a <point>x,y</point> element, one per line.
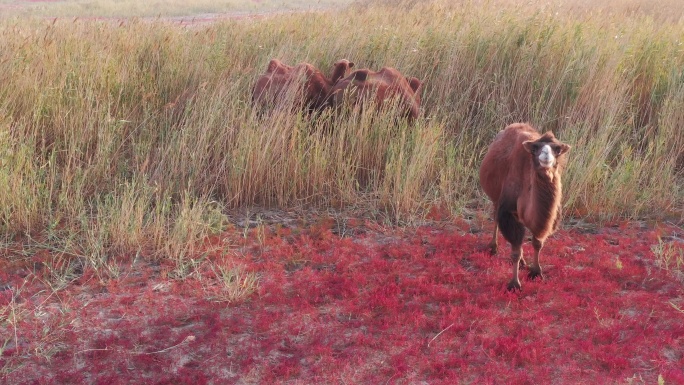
<point>514,232</point>
<point>494,243</point>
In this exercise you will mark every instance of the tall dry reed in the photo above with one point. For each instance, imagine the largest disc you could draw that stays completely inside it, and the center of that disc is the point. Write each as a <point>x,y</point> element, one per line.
<point>132,136</point>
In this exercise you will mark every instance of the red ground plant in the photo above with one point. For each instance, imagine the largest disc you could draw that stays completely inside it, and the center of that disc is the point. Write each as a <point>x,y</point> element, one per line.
<point>375,306</point>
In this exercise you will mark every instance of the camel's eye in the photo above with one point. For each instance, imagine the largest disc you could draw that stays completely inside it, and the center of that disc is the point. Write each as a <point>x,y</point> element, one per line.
<point>557,150</point>
<point>536,148</point>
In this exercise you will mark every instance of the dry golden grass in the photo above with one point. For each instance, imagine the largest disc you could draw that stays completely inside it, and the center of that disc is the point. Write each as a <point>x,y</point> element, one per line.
<point>133,136</point>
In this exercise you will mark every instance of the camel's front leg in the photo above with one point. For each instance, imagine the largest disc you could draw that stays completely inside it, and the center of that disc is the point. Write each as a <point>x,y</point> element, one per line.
<point>535,267</point>
<point>516,257</point>
<point>494,244</point>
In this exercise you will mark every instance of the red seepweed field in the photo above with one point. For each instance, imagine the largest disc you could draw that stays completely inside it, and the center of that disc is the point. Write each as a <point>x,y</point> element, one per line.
<point>351,302</point>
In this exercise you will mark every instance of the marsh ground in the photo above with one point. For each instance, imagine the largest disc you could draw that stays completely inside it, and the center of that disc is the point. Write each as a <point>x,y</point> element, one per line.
<point>349,301</point>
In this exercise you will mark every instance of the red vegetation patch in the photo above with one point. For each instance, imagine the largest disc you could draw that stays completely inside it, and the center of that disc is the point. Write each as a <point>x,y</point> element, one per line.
<point>390,306</point>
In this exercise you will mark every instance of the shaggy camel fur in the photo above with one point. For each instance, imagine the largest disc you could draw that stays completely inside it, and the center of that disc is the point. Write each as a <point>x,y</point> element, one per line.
<point>521,174</point>
<point>302,83</point>
<point>380,87</point>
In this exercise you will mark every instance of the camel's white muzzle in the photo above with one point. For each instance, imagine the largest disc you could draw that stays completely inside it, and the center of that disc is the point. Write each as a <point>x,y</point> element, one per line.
<point>546,157</point>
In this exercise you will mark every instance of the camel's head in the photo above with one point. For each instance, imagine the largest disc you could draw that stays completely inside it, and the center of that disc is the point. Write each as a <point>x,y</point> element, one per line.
<point>546,151</point>
<point>340,69</point>
<point>276,66</point>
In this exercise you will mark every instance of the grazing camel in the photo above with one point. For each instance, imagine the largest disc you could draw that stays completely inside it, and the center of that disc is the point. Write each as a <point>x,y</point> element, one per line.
<point>302,82</point>
<point>379,87</point>
<point>521,174</point>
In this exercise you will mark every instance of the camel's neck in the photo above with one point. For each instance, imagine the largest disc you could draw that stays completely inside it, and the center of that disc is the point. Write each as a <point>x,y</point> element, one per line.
<point>546,190</point>
<point>337,74</point>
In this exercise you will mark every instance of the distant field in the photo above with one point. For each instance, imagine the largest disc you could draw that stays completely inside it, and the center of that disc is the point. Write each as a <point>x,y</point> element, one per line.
<point>133,8</point>
<point>670,10</point>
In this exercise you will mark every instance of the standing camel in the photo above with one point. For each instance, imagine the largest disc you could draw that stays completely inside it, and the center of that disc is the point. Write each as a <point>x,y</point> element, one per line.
<point>521,174</point>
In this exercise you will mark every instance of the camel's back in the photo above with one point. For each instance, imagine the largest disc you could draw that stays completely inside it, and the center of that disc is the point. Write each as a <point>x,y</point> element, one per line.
<point>506,159</point>
<point>269,86</point>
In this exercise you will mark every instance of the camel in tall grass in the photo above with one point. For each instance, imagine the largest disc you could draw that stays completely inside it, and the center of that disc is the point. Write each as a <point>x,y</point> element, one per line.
<point>302,84</point>
<point>380,88</point>
<point>521,174</point>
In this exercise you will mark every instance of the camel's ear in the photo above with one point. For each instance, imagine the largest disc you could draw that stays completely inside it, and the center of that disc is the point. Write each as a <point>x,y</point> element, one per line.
<point>351,64</point>
<point>564,148</point>
<point>529,146</point>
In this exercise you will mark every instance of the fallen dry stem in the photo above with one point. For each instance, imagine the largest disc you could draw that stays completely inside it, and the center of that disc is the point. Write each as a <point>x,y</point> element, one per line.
<point>438,334</point>
<point>186,340</point>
